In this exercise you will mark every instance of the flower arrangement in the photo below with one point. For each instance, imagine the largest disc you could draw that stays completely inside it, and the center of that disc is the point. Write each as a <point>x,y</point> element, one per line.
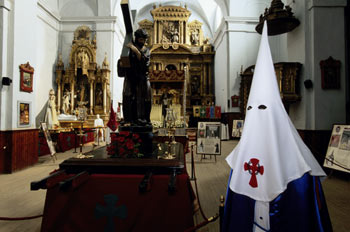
<point>125,145</point>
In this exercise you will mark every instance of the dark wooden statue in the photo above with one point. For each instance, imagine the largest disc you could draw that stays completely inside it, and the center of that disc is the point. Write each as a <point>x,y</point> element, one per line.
<point>137,94</point>
<point>134,65</point>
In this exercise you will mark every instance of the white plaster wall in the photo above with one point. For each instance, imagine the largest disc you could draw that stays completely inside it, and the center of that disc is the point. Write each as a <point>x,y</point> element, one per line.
<point>80,8</point>
<point>296,46</point>
<point>6,62</point>
<point>248,8</point>
<point>47,50</point>
<point>244,43</point>
<point>221,73</point>
<point>25,30</point>
<point>327,39</point>
<point>117,82</point>
<point>52,5</point>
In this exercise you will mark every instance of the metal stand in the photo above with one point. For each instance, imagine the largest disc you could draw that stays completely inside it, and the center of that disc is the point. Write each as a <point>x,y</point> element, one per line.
<point>81,138</point>
<point>204,157</point>
<point>75,142</point>
<point>192,165</point>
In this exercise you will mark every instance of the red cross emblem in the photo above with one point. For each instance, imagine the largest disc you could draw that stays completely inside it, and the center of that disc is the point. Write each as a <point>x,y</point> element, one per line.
<point>254,169</point>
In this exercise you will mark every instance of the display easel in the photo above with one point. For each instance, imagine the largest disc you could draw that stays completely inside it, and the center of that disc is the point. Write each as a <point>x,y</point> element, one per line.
<point>338,152</point>
<point>49,141</point>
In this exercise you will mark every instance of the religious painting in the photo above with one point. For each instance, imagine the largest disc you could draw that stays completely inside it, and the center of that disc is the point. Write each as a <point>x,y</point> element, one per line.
<point>237,128</point>
<point>24,109</point>
<point>196,111</point>
<point>338,152</point>
<point>330,73</point>
<point>209,138</point>
<point>26,77</point>
<point>217,111</point>
<point>235,101</point>
<point>82,113</point>
<point>99,95</point>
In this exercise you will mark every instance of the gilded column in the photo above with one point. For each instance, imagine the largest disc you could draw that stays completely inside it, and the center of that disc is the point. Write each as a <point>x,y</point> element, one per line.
<point>72,97</point>
<point>185,33</point>
<point>104,98</point>
<point>59,98</point>
<point>205,78</point>
<point>159,29</point>
<point>181,33</point>
<point>155,31</point>
<point>91,96</point>
<point>210,80</point>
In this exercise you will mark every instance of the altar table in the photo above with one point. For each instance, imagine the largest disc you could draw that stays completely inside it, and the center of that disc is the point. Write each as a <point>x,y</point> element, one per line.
<point>112,202</point>
<point>108,194</point>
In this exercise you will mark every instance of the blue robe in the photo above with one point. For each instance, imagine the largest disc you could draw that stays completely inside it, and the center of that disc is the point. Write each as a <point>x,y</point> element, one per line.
<point>301,208</point>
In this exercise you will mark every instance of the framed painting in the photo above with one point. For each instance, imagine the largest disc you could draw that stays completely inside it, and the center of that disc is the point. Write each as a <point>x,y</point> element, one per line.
<point>24,114</point>
<point>330,73</point>
<point>26,77</point>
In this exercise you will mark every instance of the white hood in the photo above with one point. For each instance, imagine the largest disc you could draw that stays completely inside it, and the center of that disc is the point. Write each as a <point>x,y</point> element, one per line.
<point>270,153</point>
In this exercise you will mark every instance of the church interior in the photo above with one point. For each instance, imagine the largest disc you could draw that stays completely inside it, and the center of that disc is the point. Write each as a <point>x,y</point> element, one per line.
<point>62,92</point>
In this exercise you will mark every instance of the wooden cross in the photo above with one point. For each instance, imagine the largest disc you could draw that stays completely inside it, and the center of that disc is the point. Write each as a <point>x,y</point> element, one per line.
<point>128,22</point>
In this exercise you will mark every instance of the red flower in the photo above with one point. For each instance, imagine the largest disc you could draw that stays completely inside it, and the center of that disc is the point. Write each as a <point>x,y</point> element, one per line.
<point>121,151</point>
<point>135,136</point>
<point>120,139</point>
<point>139,140</point>
<point>129,144</point>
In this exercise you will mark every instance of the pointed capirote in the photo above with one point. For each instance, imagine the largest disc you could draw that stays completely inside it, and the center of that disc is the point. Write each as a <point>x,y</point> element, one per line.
<point>270,153</point>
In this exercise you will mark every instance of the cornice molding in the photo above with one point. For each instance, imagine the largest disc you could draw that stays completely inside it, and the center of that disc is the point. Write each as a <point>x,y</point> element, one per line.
<point>326,3</point>
<point>97,19</point>
<point>5,4</point>
<point>234,24</point>
<point>48,11</point>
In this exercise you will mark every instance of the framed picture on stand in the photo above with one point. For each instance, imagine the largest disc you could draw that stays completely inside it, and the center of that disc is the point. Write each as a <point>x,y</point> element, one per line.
<point>209,138</point>
<point>237,128</point>
<point>338,152</point>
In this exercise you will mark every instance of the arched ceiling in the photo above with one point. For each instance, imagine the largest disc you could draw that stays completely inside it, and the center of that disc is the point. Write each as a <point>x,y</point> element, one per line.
<point>210,12</point>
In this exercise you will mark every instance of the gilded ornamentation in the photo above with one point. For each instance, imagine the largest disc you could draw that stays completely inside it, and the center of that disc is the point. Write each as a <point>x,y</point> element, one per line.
<point>83,83</point>
<point>174,44</point>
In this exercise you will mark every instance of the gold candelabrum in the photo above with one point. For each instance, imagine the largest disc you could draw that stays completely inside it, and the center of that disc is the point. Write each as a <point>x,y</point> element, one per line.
<point>170,146</point>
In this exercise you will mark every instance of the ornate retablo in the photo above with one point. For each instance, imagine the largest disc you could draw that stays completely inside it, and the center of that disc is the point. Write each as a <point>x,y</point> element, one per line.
<point>83,86</point>
<point>176,43</point>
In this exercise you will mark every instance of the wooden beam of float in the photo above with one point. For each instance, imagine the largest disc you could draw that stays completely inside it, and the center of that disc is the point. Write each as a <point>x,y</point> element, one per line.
<point>128,22</point>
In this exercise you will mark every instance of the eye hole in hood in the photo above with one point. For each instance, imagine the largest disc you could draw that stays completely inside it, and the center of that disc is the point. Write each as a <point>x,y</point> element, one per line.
<point>262,107</point>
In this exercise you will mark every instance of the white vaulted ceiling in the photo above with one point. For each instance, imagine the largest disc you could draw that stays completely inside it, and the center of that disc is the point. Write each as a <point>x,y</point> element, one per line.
<point>210,12</point>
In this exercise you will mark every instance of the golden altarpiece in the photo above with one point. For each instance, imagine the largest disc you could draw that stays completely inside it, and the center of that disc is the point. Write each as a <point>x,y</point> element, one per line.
<point>287,74</point>
<point>83,84</point>
<point>181,60</point>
